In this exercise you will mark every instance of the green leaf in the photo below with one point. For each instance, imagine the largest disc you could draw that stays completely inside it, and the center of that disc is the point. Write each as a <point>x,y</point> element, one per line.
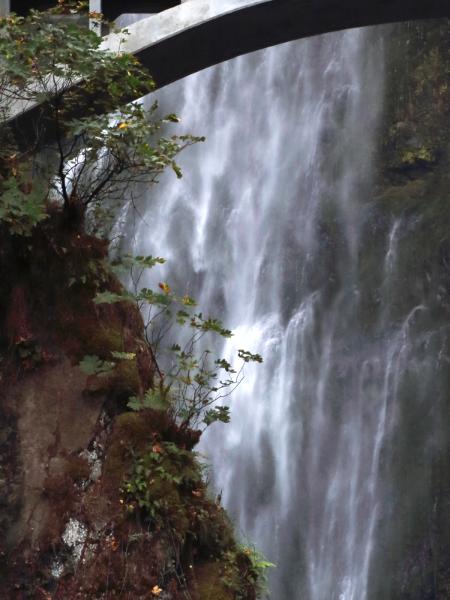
<point>218,413</point>
<point>177,170</point>
<point>225,365</point>
<point>123,355</point>
<point>172,118</point>
<point>93,365</point>
<point>134,403</point>
<point>249,357</point>
<point>152,399</point>
<point>111,297</point>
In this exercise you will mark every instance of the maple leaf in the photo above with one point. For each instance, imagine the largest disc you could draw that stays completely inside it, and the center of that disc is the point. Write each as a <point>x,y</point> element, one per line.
<point>165,287</point>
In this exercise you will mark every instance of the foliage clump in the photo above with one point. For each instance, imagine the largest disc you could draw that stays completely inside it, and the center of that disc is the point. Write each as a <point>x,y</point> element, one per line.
<point>86,143</point>
<point>193,380</point>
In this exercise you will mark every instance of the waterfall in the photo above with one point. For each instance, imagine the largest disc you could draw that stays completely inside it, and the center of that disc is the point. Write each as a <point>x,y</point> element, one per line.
<point>270,230</point>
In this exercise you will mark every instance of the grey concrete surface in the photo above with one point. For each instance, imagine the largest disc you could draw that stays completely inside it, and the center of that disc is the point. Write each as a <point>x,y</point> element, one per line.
<point>199,33</point>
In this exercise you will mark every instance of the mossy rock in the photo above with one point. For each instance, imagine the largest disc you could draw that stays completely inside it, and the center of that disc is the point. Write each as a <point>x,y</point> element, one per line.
<point>208,582</point>
<point>417,97</point>
<point>130,430</point>
<point>214,533</point>
<point>84,333</point>
<point>397,199</point>
<point>131,435</point>
<point>122,382</point>
<point>100,340</point>
<point>126,379</point>
<point>415,158</point>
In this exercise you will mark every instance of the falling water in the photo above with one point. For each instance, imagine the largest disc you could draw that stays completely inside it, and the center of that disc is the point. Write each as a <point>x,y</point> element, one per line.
<point>269,229</point>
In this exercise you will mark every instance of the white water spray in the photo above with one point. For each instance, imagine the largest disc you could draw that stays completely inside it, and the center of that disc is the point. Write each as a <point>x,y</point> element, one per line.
<point>266,231</point>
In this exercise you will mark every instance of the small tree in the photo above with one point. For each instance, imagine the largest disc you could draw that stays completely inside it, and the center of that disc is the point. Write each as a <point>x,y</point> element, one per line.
<point>86,144</point>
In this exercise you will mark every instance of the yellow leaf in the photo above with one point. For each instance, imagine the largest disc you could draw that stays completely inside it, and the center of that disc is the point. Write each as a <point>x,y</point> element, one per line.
<point>156,590</point>
<point>165,287</point>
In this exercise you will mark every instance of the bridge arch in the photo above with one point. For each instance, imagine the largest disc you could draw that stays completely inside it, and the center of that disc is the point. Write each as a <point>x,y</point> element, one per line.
<point>200,33</point>
<point>196,34</point>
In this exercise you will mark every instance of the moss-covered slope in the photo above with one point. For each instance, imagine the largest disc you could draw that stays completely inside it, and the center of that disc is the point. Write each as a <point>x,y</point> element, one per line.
<point>96,501</point>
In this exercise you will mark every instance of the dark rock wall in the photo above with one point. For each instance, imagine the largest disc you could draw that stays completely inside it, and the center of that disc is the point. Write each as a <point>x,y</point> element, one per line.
<point>412,561</point>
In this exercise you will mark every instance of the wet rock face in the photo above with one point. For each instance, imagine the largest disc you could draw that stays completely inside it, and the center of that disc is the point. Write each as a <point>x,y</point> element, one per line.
<point>55,418</point>
<point>415,131</point>
<point>414,190</point>
<point>9,481</point>
<point>55,423</point>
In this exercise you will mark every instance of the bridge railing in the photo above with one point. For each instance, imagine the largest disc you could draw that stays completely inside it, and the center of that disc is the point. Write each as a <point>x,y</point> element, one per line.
<point>110,8</point>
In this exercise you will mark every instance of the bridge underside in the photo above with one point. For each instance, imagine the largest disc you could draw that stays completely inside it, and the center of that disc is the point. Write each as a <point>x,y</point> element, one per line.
<point>200,33</point>
<point>264,24</point>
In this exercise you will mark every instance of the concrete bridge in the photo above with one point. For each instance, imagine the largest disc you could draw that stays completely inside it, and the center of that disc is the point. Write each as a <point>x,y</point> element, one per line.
<point>181,38</point>
<point>200,33</point>
<point>185,37</point>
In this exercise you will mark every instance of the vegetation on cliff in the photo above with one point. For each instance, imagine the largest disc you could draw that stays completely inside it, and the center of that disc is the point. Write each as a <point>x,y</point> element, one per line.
<point>101,491</point>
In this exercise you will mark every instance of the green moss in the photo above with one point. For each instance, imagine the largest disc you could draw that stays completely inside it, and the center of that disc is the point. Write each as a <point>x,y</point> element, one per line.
<point>94,337</point>
<point>208,582</point>
<point>131,432</point>
<point>164,484</point>
<point>161,484</point>
<point>417,96</point>
<point>238,574</point>
<point>102,341</point>
<point>397,199</point>
<point>122,382</point>
<point>213,531</point>
<point>418,157</point>
<point>126,379</point>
